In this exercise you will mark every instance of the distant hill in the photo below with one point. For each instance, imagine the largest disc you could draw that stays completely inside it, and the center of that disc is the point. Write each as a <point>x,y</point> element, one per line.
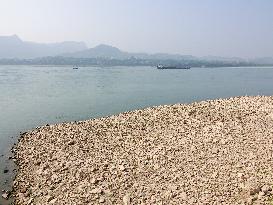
<point>263,61</point>
<point>106,51</point>
<point>223,59</point>
<point>14,47</point>
<point>100,51</point>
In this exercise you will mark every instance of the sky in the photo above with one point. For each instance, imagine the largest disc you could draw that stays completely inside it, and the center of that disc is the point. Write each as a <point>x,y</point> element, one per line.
<point>229,28</point>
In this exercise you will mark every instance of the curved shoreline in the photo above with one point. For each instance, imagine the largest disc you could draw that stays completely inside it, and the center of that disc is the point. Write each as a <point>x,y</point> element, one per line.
<point>211,151</point>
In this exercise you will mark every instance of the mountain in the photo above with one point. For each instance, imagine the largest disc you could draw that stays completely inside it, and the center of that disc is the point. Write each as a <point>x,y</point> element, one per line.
<point>223,59</point>
<point>263,61</point>
<point>100,51</point>
<point>14,47</point>
<point>106,51</point>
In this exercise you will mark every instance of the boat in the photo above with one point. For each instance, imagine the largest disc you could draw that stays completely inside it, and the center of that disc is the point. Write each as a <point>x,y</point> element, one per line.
<point>172,67</point>
<point>75,68</point>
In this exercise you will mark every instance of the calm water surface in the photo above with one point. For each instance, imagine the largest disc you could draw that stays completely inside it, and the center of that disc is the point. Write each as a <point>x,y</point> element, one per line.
<point>32,96</point>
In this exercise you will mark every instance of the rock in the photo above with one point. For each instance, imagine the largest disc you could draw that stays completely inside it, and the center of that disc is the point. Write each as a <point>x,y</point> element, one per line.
<point>72,142</point>
<point>254,191</point>
<point>49,198</point>
<point>249,201</point>
<point>27,194</point>
<point>5,196</point>
<point>261,193</point>
<point>93,181</point>
<point>96,191</point>
<point>53,201</point>
<point>93,169</point>
<point>30,201</point>
<point>214,151</point>
<point>223,142</point>
<point>6,171</point>
<point>240,175</point>
<point>192,200</point>
<point>23,190</point>
<point>101,200</point>
<point>183,196</point>
<point>108,193</point>
<point>20,196</point>
<point>121,167</point>
<point>126,199</point>
<point>266,188</point>
<point>214,175</point>
<point>254,197</point>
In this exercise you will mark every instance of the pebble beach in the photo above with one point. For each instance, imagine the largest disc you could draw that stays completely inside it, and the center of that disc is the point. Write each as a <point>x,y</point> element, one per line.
<point>209,152</point>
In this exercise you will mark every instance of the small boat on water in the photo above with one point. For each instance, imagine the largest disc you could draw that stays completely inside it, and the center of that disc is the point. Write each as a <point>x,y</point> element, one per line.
<point>172,67</point>
<point>75,68</point>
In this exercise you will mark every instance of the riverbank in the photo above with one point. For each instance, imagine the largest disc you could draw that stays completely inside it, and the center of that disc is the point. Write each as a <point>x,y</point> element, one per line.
<point>217,151</point>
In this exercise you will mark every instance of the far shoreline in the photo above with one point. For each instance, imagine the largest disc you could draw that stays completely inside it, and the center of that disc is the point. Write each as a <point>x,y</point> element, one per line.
<point>109,66</point>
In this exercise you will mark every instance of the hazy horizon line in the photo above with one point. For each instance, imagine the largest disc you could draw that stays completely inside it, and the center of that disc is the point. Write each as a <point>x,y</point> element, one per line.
<point>135,52</point>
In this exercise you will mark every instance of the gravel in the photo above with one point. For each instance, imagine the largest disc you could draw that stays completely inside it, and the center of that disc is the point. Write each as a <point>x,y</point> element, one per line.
<point>211,152</point>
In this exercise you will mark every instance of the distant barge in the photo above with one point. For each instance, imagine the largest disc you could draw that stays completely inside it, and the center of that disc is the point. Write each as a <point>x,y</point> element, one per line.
<point>172,67</point>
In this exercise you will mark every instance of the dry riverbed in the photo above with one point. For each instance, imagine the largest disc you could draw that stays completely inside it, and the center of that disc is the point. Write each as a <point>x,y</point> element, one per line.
<point>211,152</point>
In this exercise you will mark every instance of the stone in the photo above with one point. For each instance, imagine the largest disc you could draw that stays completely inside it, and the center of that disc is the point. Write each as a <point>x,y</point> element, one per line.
<point>108,193</point>
<point>214,175</point>
<point>266,188</point>
<point>27,194</point>
<point>260,196</point>
<point>5,196</point>
<point>183,196</point>
<point>249,200</point>
<point>53,201</point>
<point>240,175</point>
<point>126,199</point>
<point>254,191</point>
<point>214,151</point>
<point>23,190</point>
<point>223,142</point>
<point>96,191</point>
<point>261,193</point>
<point>20,196</point>
<point>121,167</point>
<point>93,181</point>
<point>72,142</point>
<point>101,200</point>
<point>49,198</point>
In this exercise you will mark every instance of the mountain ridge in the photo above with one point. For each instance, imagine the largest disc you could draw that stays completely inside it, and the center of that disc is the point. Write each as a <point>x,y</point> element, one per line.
<point>12,47</point>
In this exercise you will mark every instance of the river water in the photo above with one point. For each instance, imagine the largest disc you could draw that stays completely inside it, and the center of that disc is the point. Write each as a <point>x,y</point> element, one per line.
<point>32,96</point>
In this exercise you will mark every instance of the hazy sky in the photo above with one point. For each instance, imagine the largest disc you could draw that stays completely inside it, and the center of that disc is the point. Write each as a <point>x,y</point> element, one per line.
<point>241,28</point>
